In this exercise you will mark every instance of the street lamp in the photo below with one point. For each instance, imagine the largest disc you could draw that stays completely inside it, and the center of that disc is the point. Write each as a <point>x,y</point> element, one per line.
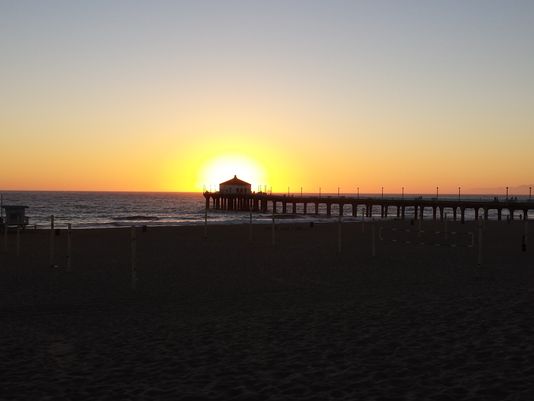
<point>437,192</point>
<point>529,193</point>
<point>301,192</point>
<point>358,190</point>
<point>382,192</point>
<point>506,193</point>
<point>338,191</point>
<point>319,192</point>
<point>459,193</point>
<point>402,192</point>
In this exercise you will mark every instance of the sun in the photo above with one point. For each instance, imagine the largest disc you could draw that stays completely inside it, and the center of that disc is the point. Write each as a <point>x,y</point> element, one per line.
<point>224,167</point>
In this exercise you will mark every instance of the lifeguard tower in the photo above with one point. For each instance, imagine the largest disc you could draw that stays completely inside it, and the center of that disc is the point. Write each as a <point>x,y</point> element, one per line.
<point>14,215</point>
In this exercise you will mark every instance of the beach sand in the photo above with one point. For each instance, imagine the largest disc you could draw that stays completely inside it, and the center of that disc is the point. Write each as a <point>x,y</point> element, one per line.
<point>226,318</point>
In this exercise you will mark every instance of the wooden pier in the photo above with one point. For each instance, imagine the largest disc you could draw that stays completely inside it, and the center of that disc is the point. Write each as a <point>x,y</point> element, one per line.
<point>398,207</point>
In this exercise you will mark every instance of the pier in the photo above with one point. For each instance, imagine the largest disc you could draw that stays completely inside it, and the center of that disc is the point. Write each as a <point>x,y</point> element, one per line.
<point>356,206</point>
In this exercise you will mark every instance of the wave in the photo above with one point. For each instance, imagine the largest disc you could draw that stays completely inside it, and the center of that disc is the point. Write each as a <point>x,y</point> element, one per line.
<point>136,218</point>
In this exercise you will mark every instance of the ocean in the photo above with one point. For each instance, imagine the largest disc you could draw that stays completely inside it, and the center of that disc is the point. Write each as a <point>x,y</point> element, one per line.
<point>120,209</point>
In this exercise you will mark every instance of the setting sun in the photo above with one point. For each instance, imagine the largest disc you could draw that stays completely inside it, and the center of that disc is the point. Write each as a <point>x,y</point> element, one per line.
<point>225,167</point>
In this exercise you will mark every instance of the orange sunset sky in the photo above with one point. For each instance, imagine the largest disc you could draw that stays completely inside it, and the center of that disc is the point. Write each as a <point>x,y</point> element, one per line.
<point>178,96</point>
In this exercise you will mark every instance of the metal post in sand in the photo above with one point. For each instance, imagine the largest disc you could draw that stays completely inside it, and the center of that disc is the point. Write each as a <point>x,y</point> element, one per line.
<point>250,226</point>
<point>445,228</point>
<point>51,240</point>
<point>69,247</point>
<point>525,234</point>
<point>18,241</point>
<point>479,258</point>
<point>373,240</point>
<point>273,241</point>
<point>339,235</point>
<point>5,236</point>
<point>133,250</point>
<point>206,222</point>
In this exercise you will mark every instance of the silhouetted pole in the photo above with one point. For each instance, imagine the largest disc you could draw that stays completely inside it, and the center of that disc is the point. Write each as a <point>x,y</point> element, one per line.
<point>529,193</point>
<point>18,241</point>
<point>459,196</point>
<point>69,247</point>
<point>402,192</point>
<point>445,228</point>
<point>319,192</point>
<point>437,192</point>
<point>338,192</point>
<point>382,192</point>
<point>250,226</point>
<point>273,241</point>
<point>479,259</point>
<point>301,192</point>
<point>206,222</point>
<point>506,193</point>
<point>525,235</point>
<point>339,235</point>
<point>373,240</point>
<point>52,240</point>
<point>287,191</point>
<point>358,190</point>
<point>133,255</point>
<point>5,236</point>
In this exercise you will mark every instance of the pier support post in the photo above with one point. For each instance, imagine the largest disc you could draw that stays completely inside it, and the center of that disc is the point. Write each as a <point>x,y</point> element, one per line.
<point>462,214</point>
<point>294,208</point>
<point>434,213</point>
<point>284,207</point>
<point>354,210</point>
<point>399,211</point>
<point>499,214</point>
<point>316,208</point>
<point>403,212</point>
<point>305,208</point>
<point>328,209</point>
<point>476,213</point>
<point>341,209</point>
<point>415,212</point>
<point>454,211</point>
<point>422,212</point>
<point>486,214</point>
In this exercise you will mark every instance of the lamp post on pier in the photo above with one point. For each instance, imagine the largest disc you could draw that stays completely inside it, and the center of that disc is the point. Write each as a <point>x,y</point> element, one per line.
<point>506,193</point>
<point>319,192</point>
<point>459,196</point>
<point>437,192</point>
<point>338,192</point>
<point>301,192</point>
<point>382,192</point>
<point>402,192</point>
<point>358,191</point>
<point>529,193</point>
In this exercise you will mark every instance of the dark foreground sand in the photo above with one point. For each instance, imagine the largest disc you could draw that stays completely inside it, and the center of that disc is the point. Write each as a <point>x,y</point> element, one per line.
<point>228,319</point>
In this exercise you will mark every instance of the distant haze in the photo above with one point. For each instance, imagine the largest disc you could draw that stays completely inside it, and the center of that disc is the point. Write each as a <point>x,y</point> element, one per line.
<point>123,95</point>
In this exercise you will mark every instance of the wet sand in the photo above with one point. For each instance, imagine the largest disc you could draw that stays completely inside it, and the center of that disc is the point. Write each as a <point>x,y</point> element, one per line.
<point>226,318</point>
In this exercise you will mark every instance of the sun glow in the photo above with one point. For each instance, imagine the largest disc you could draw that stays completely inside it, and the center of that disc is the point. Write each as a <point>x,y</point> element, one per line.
<point>225,167</point>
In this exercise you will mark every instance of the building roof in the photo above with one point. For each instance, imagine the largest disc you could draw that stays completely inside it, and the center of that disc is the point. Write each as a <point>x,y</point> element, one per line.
<point>235,181</point>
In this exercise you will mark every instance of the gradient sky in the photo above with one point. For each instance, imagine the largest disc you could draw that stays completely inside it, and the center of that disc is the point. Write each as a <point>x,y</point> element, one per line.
<point>148,95</point>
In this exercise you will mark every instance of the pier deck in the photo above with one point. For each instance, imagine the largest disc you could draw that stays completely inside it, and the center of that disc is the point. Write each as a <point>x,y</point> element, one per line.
<point>278,203</point>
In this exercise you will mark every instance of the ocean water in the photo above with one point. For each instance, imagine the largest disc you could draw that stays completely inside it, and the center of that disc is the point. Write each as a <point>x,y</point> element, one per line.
<point>119,209</point>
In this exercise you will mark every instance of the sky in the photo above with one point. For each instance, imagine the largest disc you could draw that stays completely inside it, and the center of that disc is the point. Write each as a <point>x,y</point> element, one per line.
<point>181,95</point>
